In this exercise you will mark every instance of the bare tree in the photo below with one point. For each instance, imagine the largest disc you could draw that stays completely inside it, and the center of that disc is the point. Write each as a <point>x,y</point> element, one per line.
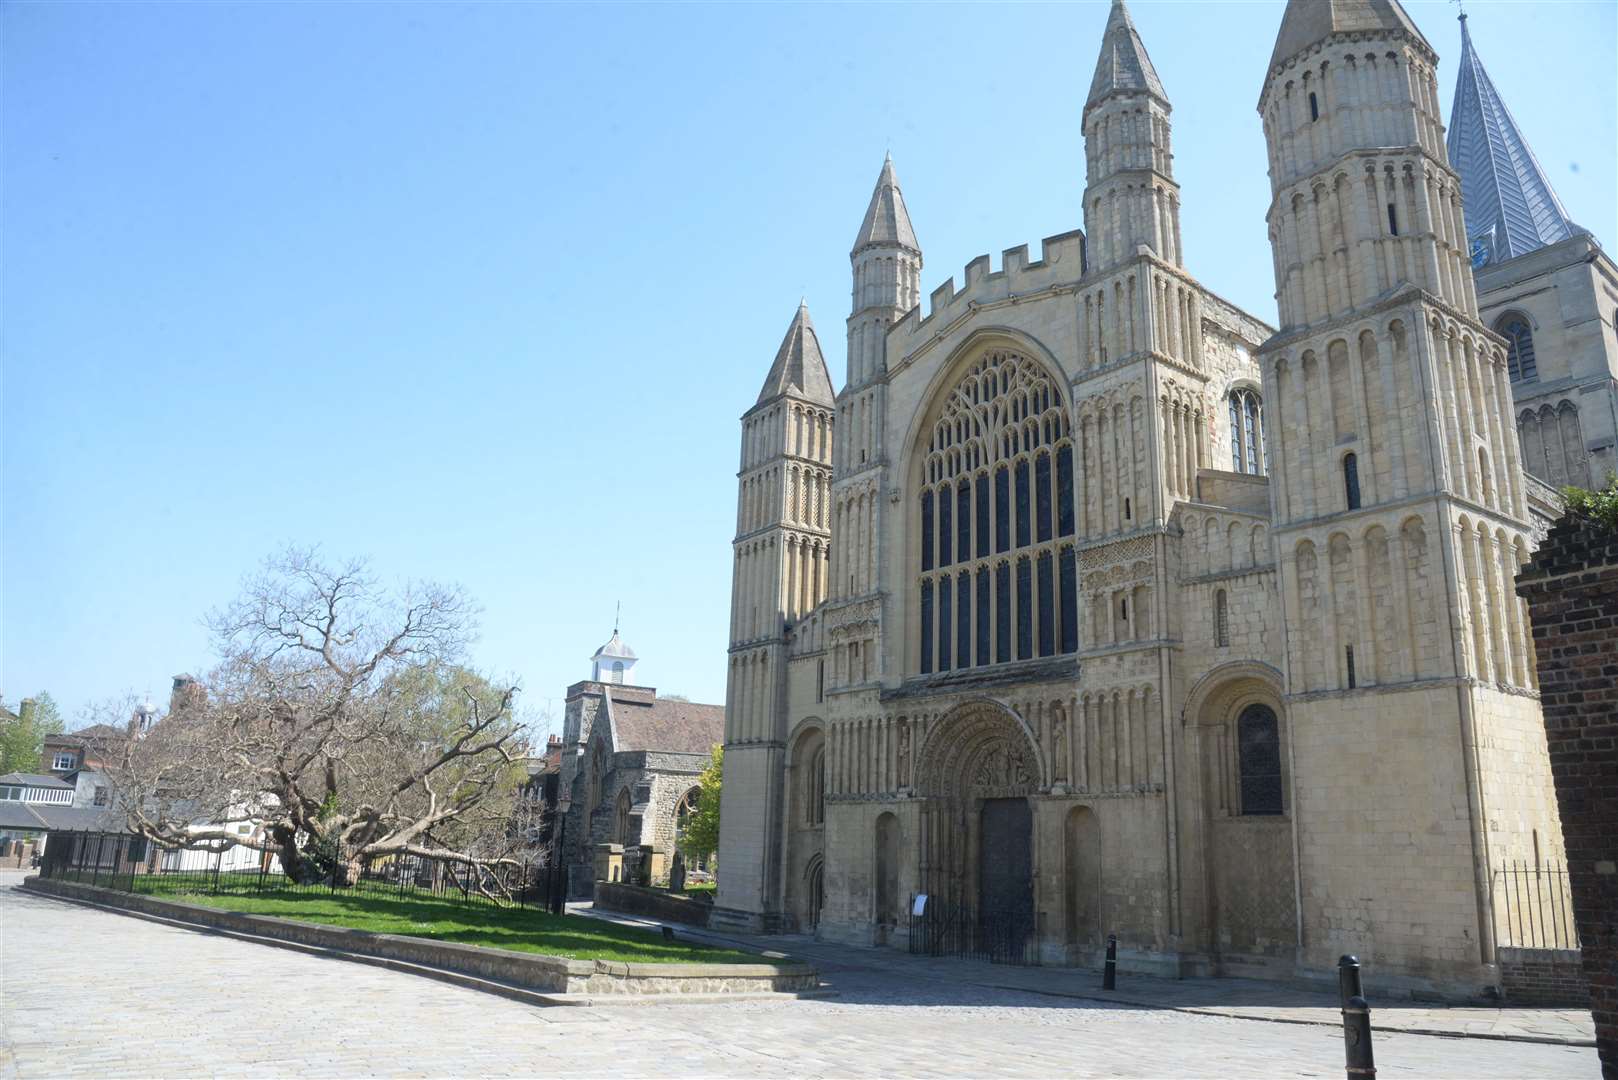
<point>341,720</point>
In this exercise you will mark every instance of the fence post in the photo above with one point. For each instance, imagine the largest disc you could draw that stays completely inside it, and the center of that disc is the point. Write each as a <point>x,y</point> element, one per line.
<point>1109,973</point>
<point>1356,1020</point>
<point>95,868</point>
<point>218,861</point>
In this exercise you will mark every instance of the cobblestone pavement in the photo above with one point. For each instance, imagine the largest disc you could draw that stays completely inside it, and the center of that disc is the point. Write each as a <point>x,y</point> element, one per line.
<point>1238,998</point>
<point>92,993</point>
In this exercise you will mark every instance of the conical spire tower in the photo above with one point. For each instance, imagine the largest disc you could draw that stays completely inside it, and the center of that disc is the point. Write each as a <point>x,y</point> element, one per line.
<point>1130,199</point>
<point>1511,208</point>
<point>886,260</point>
<point>799,367</point>
<point>1123,66</point>
<point>887,222</point>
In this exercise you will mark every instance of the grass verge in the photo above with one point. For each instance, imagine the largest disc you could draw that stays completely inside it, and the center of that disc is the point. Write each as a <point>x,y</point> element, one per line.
<point>385,909</point>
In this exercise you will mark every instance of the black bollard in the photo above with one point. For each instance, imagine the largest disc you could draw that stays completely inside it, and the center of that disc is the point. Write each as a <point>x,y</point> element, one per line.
<point>1357,1038</point>
<point>1109,974</point>
<point>1348,979</point>
<point>1356,1019</point>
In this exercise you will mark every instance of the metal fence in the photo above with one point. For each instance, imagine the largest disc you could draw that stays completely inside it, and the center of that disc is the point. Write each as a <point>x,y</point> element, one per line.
<point>956,930</point>
<point>131,864</point>
<point>1533,906</point>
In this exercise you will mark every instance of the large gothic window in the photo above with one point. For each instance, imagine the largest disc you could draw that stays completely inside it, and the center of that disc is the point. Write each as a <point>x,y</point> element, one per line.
<point>998,572</point>
<point>1520,364</point>
<point>1246,432</point>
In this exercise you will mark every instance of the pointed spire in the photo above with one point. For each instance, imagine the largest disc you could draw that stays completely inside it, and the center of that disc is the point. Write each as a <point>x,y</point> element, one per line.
<point>1123,66</point>
<point>1511,208</point>
<point>1309,21</point>
<point>799,366</point>
<point>887,222</point>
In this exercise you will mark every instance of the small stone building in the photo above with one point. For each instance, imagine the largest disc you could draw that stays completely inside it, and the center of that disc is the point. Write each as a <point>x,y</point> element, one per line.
<point>629,769</point>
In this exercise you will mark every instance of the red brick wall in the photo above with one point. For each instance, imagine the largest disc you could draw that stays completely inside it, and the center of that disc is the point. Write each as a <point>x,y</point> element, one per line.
<point>1571,587</point>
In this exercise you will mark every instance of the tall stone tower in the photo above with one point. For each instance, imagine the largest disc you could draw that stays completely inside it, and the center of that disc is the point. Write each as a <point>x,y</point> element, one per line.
<point>1142,410</point>
<point>1400,514</point>
<point>1130,198</point>
<point>886,265</point>
<point>782,563</point>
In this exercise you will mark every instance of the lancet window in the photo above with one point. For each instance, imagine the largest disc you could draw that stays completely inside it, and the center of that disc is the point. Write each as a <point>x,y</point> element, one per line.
<point>998,575</point>
<point>1520,363</point>
<point>1246,432</point>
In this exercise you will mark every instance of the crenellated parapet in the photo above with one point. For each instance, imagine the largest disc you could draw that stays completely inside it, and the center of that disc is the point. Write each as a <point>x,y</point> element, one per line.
<point>1059,267</point>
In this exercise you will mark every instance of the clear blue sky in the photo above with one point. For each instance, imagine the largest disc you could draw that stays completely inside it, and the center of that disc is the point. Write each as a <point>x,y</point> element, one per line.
<point>480,291</point>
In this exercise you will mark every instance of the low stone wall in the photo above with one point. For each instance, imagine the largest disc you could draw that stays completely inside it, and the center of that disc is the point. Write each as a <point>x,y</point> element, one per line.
<point>533,971</point>
<point>1543,977</point>
<point>651,903</point>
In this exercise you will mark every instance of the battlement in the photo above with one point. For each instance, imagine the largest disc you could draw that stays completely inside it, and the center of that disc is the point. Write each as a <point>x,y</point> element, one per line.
<point>1061,261</point>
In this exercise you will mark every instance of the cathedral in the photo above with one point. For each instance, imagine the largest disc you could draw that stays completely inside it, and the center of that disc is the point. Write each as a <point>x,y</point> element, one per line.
<point>1097,605</point>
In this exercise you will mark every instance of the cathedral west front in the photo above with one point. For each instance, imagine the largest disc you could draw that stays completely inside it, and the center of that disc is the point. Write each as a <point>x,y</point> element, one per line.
<point>1096,603</point>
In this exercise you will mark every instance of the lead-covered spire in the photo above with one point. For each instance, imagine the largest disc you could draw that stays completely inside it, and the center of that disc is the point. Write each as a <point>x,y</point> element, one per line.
<point>1123,66</point>
<point>1511,208</point>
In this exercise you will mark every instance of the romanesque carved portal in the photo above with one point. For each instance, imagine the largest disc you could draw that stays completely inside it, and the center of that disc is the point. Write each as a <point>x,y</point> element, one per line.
<point>975,773</point>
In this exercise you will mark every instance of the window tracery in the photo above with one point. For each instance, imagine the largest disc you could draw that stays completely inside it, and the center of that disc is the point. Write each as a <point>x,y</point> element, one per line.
<point>998,574</point>
<point>1247,453</point>
<point>1520,363</point>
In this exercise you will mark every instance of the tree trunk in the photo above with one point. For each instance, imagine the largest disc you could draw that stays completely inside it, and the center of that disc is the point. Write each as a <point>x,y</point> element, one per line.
<point>298,870</point>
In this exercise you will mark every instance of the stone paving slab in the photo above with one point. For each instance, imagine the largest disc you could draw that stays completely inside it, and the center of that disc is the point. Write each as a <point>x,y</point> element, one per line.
<point>1244,999</point>
<point>87,993</point>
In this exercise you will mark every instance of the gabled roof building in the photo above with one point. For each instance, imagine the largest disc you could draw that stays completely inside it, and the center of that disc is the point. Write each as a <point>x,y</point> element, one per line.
<point>627,768</point>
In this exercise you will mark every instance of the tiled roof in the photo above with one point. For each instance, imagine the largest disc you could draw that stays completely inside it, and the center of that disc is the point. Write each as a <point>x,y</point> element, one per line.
<point>641,721</point>
<point>1510,206</point>
<point>799,366</point>
<point>1123,65</point>
<point>34,780</point>
<point>20,815</point>
<point>95,733</point>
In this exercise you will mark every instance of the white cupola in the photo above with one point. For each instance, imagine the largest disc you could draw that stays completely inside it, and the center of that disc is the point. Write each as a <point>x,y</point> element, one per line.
<point>614,662</point>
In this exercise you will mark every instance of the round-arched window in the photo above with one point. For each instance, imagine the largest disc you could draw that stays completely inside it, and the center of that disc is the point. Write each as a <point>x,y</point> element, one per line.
<point>1258,751</point>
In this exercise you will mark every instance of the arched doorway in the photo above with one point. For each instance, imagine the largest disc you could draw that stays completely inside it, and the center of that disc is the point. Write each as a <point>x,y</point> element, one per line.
<point>976,771</point>
<point>1082,880</point>
<point>1237,723</point>
<point>806,825</point>
<point>814,889</point>
<point>887,872</point>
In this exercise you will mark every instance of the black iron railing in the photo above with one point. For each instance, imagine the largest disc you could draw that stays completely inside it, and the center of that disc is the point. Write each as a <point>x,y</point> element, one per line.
<point>963,932</point>
<point>131,864</point>
<point>1534,906</point>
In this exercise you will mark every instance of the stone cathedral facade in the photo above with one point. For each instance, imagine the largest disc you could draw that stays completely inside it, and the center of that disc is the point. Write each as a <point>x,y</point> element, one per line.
<point>1093,599</point>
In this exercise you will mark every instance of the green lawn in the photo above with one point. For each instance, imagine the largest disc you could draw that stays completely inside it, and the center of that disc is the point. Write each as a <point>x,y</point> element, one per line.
<point>384,910</point>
